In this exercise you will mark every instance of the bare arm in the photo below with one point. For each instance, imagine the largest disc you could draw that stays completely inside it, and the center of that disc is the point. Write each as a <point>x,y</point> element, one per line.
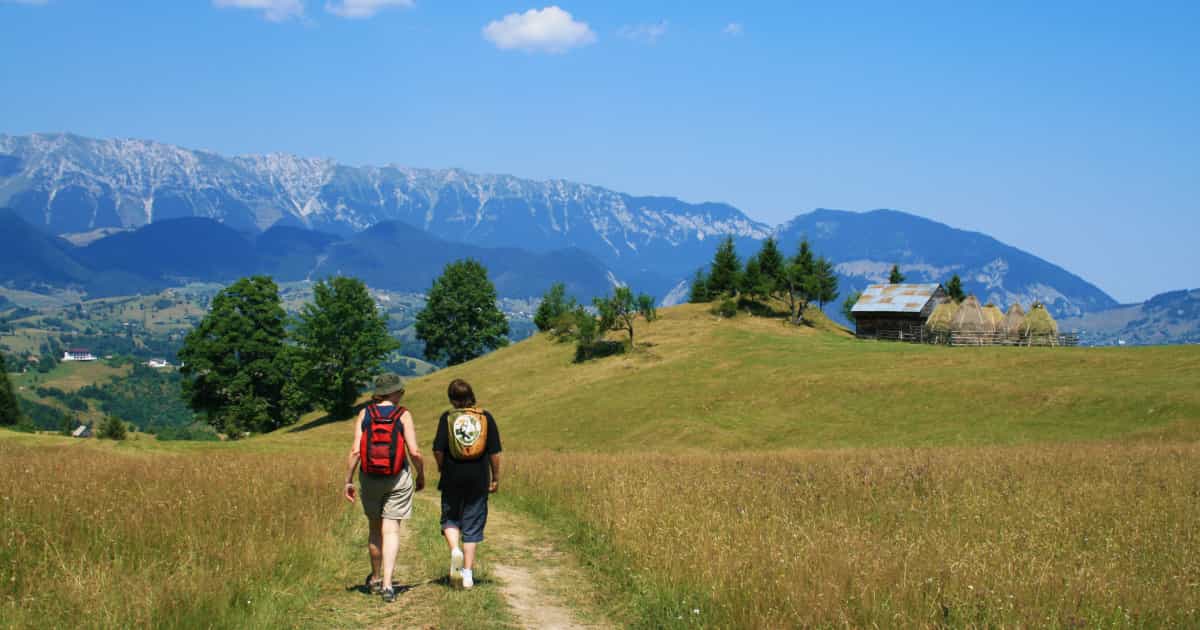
<point>414,451</point>
<point>494,461</point>
<point>352,459</point>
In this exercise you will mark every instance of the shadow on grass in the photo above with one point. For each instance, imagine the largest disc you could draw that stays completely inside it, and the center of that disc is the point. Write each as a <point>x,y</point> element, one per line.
<point>326,419</point>
<point>443,581</point>
<point>598,350</point>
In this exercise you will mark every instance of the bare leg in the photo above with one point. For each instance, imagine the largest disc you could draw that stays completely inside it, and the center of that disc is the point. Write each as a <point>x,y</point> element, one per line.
<point>469,553</point>
<point>452,535</point>
<point>391,546</point>
<point>375,546</point>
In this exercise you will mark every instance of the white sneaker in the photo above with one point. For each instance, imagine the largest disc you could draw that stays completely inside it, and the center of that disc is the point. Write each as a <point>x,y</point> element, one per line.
<point>468,578</point>
<point>456,566</point>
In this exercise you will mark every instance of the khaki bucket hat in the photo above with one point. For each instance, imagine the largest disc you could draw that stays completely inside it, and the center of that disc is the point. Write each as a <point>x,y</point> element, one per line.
<point>388,383</point>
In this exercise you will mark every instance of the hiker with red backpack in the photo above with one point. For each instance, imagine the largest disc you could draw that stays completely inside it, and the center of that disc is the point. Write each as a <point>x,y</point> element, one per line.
<point>385,452</point>
<point>467,450</point>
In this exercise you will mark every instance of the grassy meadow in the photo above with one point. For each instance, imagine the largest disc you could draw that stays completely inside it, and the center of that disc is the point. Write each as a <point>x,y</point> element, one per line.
<point>728,473</point>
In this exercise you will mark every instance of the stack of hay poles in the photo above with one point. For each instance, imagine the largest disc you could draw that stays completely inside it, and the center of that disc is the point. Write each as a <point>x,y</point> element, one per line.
<point>1013,320</point>
<point>1039,326</point>
<point>941,317</point>
<point>969,318</point>
<point>995,316</point>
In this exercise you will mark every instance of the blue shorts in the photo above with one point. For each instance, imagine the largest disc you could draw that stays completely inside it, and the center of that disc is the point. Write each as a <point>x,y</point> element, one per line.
<point>465,512</point>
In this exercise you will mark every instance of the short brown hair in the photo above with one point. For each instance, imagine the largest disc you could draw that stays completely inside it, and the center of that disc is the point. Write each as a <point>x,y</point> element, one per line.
<point>460,393</point>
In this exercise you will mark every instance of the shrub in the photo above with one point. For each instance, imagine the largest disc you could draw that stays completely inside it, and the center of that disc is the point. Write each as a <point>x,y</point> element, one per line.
<point>726,308</point>
<point>113,429</point>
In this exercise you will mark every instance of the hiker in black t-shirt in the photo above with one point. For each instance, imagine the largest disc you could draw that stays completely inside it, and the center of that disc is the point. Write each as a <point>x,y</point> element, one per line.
<point>467,449</point>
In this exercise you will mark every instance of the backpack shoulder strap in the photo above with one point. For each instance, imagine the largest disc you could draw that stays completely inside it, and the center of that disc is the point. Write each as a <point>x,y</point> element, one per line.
<point>397,413</point>
<point>373,412</point>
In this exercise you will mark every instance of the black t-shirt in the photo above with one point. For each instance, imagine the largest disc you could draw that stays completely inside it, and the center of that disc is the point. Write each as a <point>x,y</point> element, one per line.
<point>470,476</point>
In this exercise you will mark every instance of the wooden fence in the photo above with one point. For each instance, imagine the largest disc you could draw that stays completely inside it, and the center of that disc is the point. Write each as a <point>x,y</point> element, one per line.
<point>921,334</point>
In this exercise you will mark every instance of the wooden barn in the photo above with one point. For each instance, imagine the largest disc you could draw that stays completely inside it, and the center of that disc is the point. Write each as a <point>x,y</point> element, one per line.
<point>896,311</point>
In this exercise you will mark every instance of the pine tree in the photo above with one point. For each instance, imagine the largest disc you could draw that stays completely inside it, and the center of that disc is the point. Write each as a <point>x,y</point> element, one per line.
<point>825,282</point>
<point>699,290</point>
<point>461,320</point>
<point>726,267</point>
<point>234,364</point>
<point>620,310</point>
<point>555,304</point>
<point>954,289</point>
<point>10,408</point>
<point>753,282</point>
<point>895,277</point>
<point>798,277</point>
<point>772,266</point>
<point>341,342</point>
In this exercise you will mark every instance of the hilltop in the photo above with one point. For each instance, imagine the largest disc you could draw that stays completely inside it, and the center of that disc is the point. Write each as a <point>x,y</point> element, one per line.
<point>697,383</point>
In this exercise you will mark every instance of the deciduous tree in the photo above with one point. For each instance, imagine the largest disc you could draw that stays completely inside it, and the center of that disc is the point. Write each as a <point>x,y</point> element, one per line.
<point>461,320</point>
<point>10,409</point>
<point>341,342</point>
<point>555,304</point>
<point>848,305</point>
<point>620,310</point>
<point>233,361</point>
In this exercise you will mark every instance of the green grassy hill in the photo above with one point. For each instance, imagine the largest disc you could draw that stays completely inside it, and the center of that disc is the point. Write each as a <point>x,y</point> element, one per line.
<point>697,382</point>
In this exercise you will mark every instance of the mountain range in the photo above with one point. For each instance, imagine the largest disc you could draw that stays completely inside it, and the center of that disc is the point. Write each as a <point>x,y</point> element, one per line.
<point>305,217</point>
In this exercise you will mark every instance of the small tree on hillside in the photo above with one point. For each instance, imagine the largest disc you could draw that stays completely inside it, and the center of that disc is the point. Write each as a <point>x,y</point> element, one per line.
<point>113,428</point>
<point>10,409</point>
<point>954,289</point>
<point>699,290</point>
<point>341,342</point>
<point>753,283</point>
<point>726,267</point>
<point>772,265</point>
<point>848,305</point>
<point>895,277</point>
<point>555,304</point>
<point>798,274</point>
<point>461,320</point>
<point>824,282</point>
<point>621,309</point>
<point>234,364</point>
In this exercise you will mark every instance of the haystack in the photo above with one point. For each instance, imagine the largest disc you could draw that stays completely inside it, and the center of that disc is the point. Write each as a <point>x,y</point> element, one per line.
<point>1039,323</point>
<point>970,318</point>
<point>941,317</point>
<point>994,315</point>
<point>1013,320</point>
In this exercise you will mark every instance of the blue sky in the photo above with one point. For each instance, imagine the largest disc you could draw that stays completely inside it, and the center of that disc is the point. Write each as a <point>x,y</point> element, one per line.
<point>1070,129</point>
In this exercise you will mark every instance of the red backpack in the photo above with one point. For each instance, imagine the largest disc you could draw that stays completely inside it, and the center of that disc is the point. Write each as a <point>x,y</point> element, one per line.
<point>381,451</point>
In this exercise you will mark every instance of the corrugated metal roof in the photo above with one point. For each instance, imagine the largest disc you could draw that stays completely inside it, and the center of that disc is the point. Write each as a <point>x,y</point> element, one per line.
<point>894,298</point>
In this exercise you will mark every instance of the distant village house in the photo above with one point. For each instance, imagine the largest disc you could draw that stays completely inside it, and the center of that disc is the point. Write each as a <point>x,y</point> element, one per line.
<point>82,431</point>
<point>78,354</point>
<point>158,363</point>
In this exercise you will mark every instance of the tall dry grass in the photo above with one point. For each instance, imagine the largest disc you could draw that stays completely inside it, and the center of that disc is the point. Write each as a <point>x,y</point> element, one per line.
<point>1055,536</point>
<point>93,537</point>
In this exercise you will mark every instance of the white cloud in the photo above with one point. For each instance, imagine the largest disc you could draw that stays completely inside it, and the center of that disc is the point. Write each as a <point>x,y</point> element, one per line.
<point>539,30</point>
<point>273,10</point>
<point>360,9</point>
<point>646,33</point>
<point>734,29</point>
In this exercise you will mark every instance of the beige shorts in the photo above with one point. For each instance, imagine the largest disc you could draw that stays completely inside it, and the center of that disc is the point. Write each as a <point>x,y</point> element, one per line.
<point>387,497</point>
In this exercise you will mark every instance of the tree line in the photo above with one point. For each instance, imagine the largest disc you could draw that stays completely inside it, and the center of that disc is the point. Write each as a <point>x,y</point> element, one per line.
<point>798,281</point>
<point>568,320</point>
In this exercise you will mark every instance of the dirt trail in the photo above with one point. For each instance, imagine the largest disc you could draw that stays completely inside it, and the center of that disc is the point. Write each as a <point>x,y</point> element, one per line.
<point>520,569</point>
<point>542,586</point>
